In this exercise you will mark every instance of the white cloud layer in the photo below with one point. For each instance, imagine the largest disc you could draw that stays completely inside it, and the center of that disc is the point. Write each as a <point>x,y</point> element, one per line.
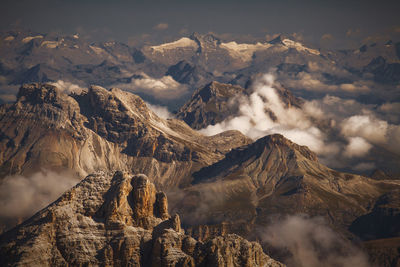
<point>310,242</point>
<point>21,196</point>
<point>332,127</point>
<point>68,87</point>
<point>165,87</point>
<point>160,111</point>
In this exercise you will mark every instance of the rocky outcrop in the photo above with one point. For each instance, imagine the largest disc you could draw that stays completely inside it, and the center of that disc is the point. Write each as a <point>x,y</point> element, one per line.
<point>101,129</point>
<point>118,220</point>
<point>209,105</point>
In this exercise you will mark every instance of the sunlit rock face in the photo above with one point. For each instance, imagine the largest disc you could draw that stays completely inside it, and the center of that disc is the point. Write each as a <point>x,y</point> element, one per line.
<point>117,220</point>
<point>101,129</point>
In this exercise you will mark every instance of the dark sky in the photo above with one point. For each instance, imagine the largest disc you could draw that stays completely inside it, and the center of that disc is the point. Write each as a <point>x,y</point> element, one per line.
<point>340,23</point>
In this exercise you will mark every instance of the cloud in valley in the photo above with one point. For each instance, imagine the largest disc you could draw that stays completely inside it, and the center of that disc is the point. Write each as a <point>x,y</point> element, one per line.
<point>310,242</point>
<point>68,87</point>
<point>165,87</point>
<point>336,129</point>
<point>160,111</point>
<point>22,196</point>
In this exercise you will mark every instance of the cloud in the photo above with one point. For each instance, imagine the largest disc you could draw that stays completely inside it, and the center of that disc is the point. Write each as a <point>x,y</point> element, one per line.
<point>340,131</point>
<point>327,37</point>
<point>7,98</point>
<point>161,26</point>
<point>21,196</point>
<point>365,126</point>
<point>365,166</point>
<point>315,80</point>
<point>310,242</point>
<point>254,119</point>
<point>68,87</point>
<point>165,87</point>
<point>160,111</point>
<point>357,147</point>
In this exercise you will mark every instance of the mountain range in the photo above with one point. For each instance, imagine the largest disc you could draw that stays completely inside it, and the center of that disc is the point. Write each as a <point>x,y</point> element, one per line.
<point>267,149</point>
<point>227,182</point>
<point>194,61</point>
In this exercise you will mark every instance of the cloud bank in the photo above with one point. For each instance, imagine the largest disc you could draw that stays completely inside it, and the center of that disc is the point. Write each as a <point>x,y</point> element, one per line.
<point>68,87</point>
<point>336,129</point>
<point>310,242</point>
<point>160,111</point>
<point>21,196</point>
<point>165,87</point>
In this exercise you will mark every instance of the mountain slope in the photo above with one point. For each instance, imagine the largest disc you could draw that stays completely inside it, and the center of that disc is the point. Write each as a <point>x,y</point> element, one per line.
<point>101,129</point>
<point>118,220</point>
<point>274,176</point>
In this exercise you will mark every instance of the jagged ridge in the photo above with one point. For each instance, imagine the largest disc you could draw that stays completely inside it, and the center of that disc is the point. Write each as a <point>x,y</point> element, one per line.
<point>118,220</point>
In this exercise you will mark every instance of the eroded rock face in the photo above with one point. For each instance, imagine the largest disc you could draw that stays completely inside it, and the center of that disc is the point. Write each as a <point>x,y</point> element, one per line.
<point>101,129</point>
<point>118,220</point>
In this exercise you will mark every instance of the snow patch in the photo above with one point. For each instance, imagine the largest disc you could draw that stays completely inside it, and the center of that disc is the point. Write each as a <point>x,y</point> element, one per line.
<point>9,38</point>
<point>51,44</point>
<point>97,50</point>
<point>299,47</point>
<point>181,43</point>
<point>30,38</point>
<point>244,51</point>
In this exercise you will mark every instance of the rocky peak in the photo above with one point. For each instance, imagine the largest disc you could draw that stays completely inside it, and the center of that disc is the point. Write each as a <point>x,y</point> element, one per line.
<point>278,140</point>
<point>134,201</point>
<point>277,40</point>
<point>207,38</point>
<point>217,101</point>
<point>113,220</point>
<point>209,104</point>
<point>270,150</point>
<point>38,93</point>
<point>219,90</point>
<point>45,95</point>
<point>206,42</point>
<point>101,129</point>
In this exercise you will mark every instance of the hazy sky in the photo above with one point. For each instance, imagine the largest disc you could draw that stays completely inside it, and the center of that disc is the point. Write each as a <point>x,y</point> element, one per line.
<point>337,22</point>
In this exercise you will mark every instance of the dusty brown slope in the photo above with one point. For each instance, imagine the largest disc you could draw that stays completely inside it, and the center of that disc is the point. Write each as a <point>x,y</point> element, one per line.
<point>275,176</point>
<point>101,129</point>
<point>118,220</point>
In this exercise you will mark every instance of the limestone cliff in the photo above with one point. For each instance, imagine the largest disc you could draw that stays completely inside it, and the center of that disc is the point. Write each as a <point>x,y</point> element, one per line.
<point>102,130</point>
<point>118,220</point>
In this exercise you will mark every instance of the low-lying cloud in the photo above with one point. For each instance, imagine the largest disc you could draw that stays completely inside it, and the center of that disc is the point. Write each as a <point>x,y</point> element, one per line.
<point>165,87</point>
<point>160,111</point>
<point>309,242</point>
<point>68,87</point>
<point>336,129</point>
<point>21,196</point>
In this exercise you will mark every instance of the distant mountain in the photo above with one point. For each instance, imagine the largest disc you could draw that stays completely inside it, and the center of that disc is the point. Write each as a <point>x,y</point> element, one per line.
<point>194,61</point>
<point>213,103</point>
<point>209,105</point>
